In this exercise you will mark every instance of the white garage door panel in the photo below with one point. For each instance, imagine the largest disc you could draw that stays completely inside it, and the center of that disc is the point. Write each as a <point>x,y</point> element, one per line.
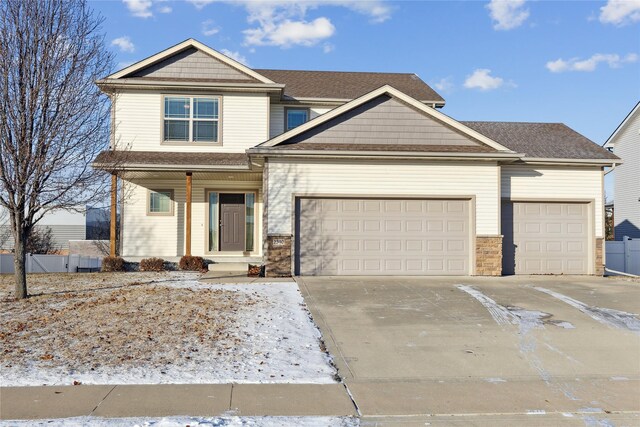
<point>382,237</point>
<point>546,238</point>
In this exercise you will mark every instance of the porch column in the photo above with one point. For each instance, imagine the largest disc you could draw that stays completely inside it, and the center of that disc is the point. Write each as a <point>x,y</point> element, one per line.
<point>114,215</point>
<point>188,216</point>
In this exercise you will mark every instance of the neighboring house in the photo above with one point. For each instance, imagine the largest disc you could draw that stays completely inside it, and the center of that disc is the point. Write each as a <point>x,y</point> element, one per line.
<point>65,225</point>
<point>339,173</point>
<point>625,143</point>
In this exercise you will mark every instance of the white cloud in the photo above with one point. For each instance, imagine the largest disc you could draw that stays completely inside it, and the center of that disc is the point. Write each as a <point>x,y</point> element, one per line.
<point>507,14</point>
<point>165,9</point>
<point>208,28</point>
<point>124,43</point>
<point>289,33</point>
<point>444,85</point>
<point>328,48</point>
<point>590,64</point>
<point>236,56</point>
<point>620,12</point>
<point>481,79</point>
<point>284,23</point>
<point>199,4</point>
<point>139,8</point>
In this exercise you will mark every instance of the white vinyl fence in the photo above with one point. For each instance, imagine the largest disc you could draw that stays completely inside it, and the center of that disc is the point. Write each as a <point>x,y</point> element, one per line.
<point>623,256</point>
<point>52,263</point>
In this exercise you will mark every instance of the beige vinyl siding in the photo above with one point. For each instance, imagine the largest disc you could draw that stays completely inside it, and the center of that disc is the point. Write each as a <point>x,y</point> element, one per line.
<point>627,180</point>
<point>383,178</point>
<point>61,234</point>
<point>276,124</point>
<point>65,225</point>
<point>555,183</point>
<point>144,235</point>
<point>138,123</point>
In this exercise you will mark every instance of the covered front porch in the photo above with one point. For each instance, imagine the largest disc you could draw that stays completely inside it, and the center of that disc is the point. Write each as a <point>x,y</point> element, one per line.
<point>168,211</point>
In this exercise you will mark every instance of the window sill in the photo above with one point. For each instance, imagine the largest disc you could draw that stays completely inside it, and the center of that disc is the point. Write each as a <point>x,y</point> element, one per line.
<point>183,144</point>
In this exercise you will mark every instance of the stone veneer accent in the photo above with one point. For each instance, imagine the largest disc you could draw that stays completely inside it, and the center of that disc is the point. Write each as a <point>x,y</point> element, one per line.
<point>599,270</point>
<point>278,256</point>
<point>489,256</point>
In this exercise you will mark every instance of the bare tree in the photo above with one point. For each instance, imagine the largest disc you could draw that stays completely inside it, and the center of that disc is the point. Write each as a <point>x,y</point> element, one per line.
<point>53,118</point>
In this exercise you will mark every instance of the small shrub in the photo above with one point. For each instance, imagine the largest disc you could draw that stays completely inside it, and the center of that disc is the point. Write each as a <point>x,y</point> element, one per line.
<point>115,263</point>
<point>191,263</point>
<point>152,264</point>
<point>254,270</point>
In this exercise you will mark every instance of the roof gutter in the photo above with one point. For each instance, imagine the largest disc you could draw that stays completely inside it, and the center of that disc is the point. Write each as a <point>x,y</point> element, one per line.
<point>572,162</point>
<point>262,152</point>
<point>171,167</point>
<point>150,84</point>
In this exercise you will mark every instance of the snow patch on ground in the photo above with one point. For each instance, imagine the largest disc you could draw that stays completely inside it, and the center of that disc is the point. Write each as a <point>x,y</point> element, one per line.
<point>270,339</point>
<point>607,316</point>
<point>190,421</point>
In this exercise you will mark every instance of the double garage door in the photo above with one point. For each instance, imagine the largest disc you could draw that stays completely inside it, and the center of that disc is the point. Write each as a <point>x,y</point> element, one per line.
<point>545,238</point>
<point>382,237</point>
<point>347,236</point>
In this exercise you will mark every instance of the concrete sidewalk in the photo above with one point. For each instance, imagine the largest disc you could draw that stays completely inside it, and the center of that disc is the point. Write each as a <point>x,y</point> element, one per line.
<point>204,400</point>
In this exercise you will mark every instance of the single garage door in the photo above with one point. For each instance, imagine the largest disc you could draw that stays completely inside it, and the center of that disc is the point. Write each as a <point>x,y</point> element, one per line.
<point>545,238</point>
<point>382,237</point>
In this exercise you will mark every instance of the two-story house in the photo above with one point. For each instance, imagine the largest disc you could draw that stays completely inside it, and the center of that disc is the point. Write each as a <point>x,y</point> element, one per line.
<point>625,143</point>
<point>339,173</point>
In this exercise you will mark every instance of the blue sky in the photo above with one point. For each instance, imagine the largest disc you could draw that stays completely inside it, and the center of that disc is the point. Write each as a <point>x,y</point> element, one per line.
<point>572,62</point>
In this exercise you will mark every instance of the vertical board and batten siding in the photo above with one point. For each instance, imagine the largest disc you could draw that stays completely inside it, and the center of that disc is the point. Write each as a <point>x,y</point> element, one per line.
<point>627,181</point>
<point>560,183</point>
<point>139,123</point>
<point>276,121</point>
<point>159,235</point>
<point>289,178</point>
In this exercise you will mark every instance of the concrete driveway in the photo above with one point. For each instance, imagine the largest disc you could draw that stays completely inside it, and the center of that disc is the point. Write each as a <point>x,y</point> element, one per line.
<point>524,350</point>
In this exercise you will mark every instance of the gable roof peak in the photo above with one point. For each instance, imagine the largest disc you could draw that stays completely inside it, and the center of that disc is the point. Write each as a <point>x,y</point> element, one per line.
<point>394,93</point>
<point>182,46</point>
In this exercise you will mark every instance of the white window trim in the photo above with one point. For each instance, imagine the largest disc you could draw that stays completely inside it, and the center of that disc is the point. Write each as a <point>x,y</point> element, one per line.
<point>190,119</point>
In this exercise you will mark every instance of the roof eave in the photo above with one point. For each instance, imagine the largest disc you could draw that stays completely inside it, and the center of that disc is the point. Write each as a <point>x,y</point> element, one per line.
<point>172,167</point>
<point>265,152</point>
<point>609,142</point>
<point>133,83</point>
<point>573,162</point>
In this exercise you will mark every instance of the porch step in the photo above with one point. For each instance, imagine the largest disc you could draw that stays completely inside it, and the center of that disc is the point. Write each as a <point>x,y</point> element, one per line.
<point>230,267</point>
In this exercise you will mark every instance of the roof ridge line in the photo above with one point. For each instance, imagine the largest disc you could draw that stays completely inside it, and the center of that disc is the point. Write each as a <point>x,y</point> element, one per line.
<point>334,71</point>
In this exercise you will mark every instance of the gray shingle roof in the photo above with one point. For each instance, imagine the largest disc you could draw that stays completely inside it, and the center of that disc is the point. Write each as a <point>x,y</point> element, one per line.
<point>348,85</point>
<point>117,158</point>
<point>542,140</point>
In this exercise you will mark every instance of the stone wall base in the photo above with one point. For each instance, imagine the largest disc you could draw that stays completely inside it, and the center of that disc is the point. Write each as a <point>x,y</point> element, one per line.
<point>489,256</point>
<point>599,270</point>
<point>278,256</point>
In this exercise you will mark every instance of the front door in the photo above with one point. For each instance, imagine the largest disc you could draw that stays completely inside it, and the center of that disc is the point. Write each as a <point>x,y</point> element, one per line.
<point>232,222</point>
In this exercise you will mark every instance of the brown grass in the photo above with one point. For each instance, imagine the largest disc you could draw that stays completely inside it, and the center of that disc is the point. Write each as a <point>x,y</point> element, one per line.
<point>87,321</point>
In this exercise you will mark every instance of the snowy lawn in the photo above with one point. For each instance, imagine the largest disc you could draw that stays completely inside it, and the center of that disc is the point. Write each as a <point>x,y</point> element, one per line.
<point>192,422</point>
<point>152,328</point>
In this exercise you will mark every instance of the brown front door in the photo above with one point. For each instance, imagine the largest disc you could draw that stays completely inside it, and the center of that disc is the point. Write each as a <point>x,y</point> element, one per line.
<point>232,222</point>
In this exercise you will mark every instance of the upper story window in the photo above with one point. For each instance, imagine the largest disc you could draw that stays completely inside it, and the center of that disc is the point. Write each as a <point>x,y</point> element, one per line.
<point>191,119</point>
<point>294,117</point>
